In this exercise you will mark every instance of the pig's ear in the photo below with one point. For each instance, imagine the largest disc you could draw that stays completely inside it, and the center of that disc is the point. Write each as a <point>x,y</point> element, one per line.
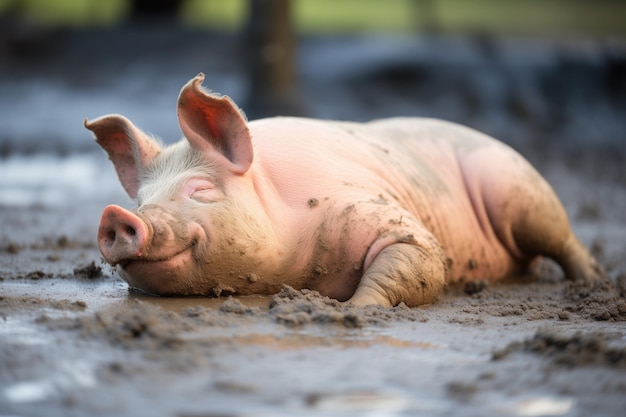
<point>130,149</point>
<point>215,125</point>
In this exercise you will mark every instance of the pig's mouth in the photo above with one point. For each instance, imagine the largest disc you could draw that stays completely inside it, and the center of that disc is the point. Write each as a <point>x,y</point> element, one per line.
<point>148,261</point>
<point>158,276</point>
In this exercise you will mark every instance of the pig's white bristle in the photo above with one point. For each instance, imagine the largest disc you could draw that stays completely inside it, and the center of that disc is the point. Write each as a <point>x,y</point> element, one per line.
<point>176,163</point>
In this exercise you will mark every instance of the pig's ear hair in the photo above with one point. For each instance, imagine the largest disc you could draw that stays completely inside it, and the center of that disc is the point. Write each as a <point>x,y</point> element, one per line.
<point>130,149</point>
<point>215,124</point>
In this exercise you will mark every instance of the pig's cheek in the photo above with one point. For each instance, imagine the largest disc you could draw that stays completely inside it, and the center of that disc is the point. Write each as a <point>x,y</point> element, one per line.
<point>159,277</point>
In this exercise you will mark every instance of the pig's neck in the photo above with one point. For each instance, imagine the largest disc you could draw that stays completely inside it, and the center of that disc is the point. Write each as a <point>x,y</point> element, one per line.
<point>286,211</point>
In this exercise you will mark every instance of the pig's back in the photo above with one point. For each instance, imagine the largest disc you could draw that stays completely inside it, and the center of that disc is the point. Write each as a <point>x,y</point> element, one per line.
<point>413,161</point>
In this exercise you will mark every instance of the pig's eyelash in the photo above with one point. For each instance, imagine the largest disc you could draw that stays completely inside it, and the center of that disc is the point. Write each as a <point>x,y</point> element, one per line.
<point>200,190</point>
<point>202,194</point>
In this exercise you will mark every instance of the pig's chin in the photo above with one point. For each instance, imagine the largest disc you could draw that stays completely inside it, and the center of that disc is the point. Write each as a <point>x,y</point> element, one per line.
<point>159,276</point>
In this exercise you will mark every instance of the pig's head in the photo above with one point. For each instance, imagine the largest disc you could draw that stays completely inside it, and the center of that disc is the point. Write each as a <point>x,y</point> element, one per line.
<point>198,217</point>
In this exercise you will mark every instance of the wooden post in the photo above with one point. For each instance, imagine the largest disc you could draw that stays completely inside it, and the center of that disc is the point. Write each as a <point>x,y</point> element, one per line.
<point>269,48</point>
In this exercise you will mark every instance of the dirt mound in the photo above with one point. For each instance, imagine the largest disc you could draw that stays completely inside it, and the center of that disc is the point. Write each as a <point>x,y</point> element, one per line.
<point>570,350</point>
<point>135,325</point>
<point>142,325</point>
<point>296,308</point>
<point>540,297</point>
<point>598,301</point>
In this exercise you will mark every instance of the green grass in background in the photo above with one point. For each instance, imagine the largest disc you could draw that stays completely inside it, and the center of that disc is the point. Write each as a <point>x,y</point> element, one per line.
<point>519,17</point>
<point>216,14</point>
<point>73,13</point>
<point>535,17</point>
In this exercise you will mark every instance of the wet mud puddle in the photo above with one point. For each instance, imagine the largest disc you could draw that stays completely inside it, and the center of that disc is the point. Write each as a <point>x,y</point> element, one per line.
<point>71,347</point>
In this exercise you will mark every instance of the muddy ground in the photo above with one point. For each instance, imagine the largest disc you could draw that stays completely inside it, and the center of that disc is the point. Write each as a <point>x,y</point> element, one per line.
<point>75,341</point>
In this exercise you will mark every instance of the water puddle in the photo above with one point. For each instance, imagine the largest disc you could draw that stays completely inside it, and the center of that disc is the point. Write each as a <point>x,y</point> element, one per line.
<point>296,341</point>
<point>365,403</point>
<point>538,406</point>
<point>21,332</point>
<point>68,376</point>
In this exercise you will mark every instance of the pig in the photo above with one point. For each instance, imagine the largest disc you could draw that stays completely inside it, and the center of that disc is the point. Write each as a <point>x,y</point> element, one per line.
<point>377,213</point>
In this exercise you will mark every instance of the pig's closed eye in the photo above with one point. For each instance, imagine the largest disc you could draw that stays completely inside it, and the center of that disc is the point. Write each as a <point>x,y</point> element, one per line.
<point>199,190</point>
<point>204,193</point>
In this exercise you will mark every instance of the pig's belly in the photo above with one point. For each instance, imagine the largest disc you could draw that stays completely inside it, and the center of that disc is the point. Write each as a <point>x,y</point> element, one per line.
<point>474,252</point>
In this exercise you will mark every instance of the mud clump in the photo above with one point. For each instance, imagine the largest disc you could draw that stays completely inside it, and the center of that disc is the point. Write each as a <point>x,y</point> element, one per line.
<point>570,350</point>
<point>37,275</point>
<point>90,271</point>
<point>599,301</point>
<point>580,290</point>
<point>12,248</point>
<point>137,325</point>
<point>234,306</point>
<point>615,310</point>
<point>297,308</point>
<point>474,287</point>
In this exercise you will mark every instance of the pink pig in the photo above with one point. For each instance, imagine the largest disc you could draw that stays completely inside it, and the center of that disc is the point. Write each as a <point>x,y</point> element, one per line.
<point>377,213</point>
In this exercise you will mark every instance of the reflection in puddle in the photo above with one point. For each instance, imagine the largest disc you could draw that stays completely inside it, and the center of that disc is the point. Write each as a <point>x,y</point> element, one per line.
<point>29,391</point>
<point>304,341</point>
<point>69,376</point>
<point>536,406</point>
<point>371,402</point>
<point>545,406</point>
<point>21,333</point>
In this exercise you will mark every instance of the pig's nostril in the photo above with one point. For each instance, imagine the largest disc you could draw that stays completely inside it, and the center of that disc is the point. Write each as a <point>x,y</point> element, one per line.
<point>122,235</point>
<point>128,231</point>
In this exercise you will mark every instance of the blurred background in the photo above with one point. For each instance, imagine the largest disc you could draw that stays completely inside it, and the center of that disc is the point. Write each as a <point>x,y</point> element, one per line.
<point>546,76</point>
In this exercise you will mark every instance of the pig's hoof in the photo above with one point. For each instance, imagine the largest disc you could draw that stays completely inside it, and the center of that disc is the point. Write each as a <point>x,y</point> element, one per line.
<point>590,271</point>
<point>366,298</point>
<point>580,266</point>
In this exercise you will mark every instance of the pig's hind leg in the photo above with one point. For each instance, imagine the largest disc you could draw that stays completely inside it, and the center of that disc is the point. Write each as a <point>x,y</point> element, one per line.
<point>525,212</point>
<point>410,273</point>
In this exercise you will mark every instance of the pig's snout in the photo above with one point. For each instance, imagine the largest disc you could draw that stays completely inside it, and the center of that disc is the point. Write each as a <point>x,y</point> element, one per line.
<point>122,235</point>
